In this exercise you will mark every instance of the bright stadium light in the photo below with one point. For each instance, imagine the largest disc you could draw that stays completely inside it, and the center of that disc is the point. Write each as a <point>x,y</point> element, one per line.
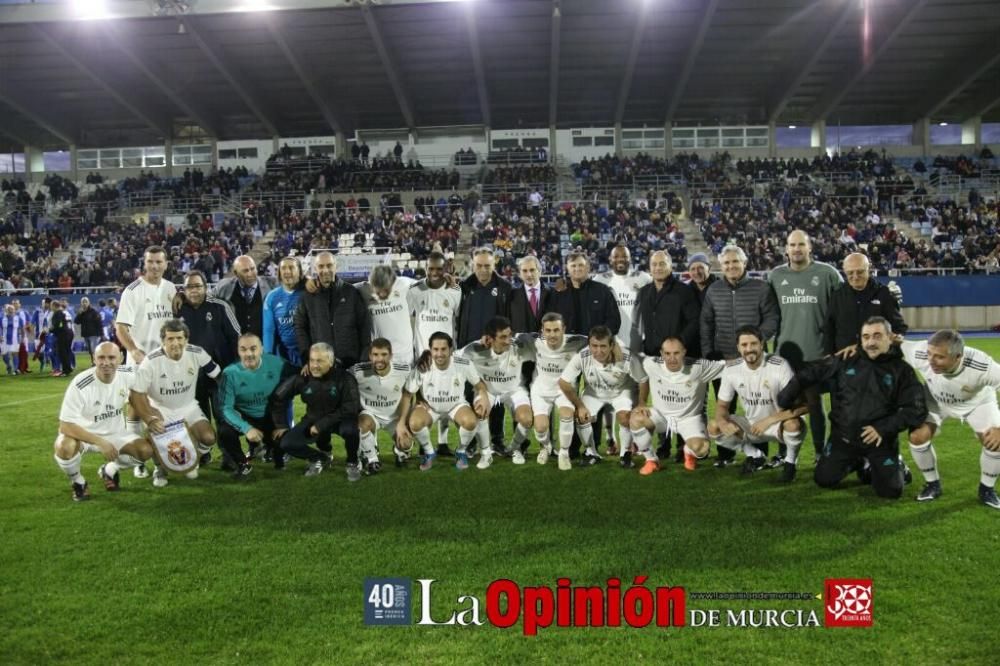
<point>942,124</point>
<point>91,9</point>
<point>792,126</point>
<point>257,6</point>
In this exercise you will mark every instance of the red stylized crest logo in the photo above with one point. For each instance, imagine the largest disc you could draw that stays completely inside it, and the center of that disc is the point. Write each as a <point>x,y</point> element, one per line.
<point>848,602</point>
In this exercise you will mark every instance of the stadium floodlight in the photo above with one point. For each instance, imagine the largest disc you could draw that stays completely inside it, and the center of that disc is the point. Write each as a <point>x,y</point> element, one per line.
<point>256,6</point>
<point>91,9</point>
<point>942,124</point>
<point>792,126</point>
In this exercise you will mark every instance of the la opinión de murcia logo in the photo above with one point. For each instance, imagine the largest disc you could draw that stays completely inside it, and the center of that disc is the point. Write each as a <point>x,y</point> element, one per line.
<point>848,602</point>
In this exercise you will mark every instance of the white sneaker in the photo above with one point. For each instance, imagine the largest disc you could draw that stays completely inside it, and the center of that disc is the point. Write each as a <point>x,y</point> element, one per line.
<point>315,468</point>
<point>193,474</point>
<point>485,460</point>
<point>517,458</point>
<point>543,455</point>
<point>565,464</point>
<point>140,471</point>
<point>159,478</point>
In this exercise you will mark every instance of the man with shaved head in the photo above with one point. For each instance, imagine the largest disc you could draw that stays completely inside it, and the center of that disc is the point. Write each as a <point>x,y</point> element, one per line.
<point>803,288</point>
<point>853,303</point>
<point>245,290</point>
<point>335,314</point>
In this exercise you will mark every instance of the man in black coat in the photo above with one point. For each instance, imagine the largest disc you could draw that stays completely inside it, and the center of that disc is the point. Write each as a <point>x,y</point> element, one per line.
<point>585,303</point>
<point>875,395</point>
<point>336,314</point>
<point>332,407</point>
<point>853,303</point>
<point>665,308</point>
<point>485,295</point>
<point>530,302</point>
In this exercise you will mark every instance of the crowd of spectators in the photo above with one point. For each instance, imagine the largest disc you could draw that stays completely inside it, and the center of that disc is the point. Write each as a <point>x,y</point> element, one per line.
<point>551,232</point>
<point>518,155</point>
<point>375,175</point>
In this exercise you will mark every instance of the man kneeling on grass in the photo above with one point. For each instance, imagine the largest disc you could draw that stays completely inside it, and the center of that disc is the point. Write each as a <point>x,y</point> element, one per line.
<point>92,419</point>
<point>332,406</point>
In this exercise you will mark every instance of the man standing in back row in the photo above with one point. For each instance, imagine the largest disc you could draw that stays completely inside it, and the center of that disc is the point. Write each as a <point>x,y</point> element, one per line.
<point>804,289</point>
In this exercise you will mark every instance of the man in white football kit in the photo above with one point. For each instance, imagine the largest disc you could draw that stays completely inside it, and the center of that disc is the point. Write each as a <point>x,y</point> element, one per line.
<point>625,282</point>
<point>500,360</point>
<point>381,386</point>
<point>440,378</point>
<point>678,386</point>
<point>168,378</point>
<point>608,373</point>
<point>92,419</point>
<point>384,295</point>
<point>962,383</point>
<point>145,305</point>
<point>553,352</point>
<point>434,305</point>
<point>757,377</point>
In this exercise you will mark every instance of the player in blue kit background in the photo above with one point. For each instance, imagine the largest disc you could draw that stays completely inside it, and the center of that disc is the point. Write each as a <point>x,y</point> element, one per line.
<point>279,313</point>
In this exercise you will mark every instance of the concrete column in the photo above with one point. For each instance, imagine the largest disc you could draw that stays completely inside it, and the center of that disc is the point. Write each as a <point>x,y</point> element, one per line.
<point>215,153</point>
<point>618,139</point>
<point>168,158</point>
<point>73,168</point>
<point>668,140</point>
<point>34,162</point>
<point>772,140</point>
<point>922,136</point>
<point>972,132</point>
<point>340,146</point>
<point>553,148</point>
<point>818,138</point>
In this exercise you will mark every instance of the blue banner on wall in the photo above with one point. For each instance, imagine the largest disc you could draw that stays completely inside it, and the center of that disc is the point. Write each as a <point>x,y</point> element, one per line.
<point>952,290</point>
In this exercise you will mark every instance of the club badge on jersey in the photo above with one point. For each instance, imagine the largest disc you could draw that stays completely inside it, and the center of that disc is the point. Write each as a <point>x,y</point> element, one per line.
<point>174,448</point>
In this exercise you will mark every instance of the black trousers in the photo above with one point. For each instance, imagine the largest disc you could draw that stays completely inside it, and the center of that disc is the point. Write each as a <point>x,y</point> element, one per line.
<point>229,437</point>
<point>205,393</point>
<point>296,441</point>
<point>64,350</point>
<point>841,456</point>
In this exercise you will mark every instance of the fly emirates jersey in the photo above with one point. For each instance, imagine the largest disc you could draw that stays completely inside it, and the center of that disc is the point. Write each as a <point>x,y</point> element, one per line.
<point>171,384</point>
<point>391,317</point>
<point>444,389</point>
<point>550,363</point>
<point>682,393</point>
<point>433,311</point>
<point>97,407</point>
<point>758,389</point>
<point>380,395</point>
<point>603,381</point>
<point>144,307</point>
<point>975,383</point>
<point>626,289</point>
<point>503,373</point>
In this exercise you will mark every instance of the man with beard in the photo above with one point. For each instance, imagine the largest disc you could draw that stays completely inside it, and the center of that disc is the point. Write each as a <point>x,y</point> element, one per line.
<point>336,314</point>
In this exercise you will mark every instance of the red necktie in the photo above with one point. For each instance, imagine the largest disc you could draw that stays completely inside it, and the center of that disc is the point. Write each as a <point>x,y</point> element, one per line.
<point>534,301</point>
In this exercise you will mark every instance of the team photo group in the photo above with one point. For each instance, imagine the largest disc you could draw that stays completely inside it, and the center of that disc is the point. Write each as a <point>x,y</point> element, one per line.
<point>626,356</point>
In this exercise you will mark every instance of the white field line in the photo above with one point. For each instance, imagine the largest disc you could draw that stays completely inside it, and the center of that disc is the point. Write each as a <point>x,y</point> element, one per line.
<point>35,399</point>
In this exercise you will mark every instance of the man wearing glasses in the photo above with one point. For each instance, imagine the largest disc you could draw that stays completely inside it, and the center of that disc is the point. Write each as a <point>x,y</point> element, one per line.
<point>853,303</point>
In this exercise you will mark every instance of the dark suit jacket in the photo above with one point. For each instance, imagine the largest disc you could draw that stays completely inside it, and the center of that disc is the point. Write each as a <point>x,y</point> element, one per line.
<point>593,304</point>
<point>522,319</point>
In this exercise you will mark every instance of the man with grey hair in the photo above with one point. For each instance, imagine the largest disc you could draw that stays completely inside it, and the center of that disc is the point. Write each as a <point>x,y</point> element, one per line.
<point>335,314</point>
<point>961,383</point>
<point>385,296</point>
<point>245,290</point>
<point>734,301</point>
<point>529,303</point>
<point>332,407</point>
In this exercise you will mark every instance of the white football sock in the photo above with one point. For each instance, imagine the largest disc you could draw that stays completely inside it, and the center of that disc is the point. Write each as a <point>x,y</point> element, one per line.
<point>483,434</point>
<point>793,440</point>
<point>520,435</point>
<point>926,459</point>
<point>424,438</point>
<point>752,451</point>
<point>71,467</point>
<point>643,441</point>
<point>442,431</point>
<point>624,440</point>
<point>565,433</point>
<point>989,466</point>
<point>134,426</point>
<point>369,446</point>
<point>586,432</point>
<point>466,436</point>
<point>543,439</point>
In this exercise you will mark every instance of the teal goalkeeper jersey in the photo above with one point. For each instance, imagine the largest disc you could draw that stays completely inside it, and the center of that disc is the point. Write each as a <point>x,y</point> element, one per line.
<point>804,300</point>
<point>246,392</point>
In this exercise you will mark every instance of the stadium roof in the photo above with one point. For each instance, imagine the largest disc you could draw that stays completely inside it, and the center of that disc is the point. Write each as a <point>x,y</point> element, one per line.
<point>312,67</point>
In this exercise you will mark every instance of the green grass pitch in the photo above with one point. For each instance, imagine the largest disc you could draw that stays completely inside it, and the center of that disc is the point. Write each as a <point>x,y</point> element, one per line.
<point>270,571</point>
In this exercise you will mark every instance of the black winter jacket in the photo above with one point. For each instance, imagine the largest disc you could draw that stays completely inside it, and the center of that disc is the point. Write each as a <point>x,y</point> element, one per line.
<point>329,399</point>
<point>336,315</point>
<point>850,308</point>
<point>883,393</point>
